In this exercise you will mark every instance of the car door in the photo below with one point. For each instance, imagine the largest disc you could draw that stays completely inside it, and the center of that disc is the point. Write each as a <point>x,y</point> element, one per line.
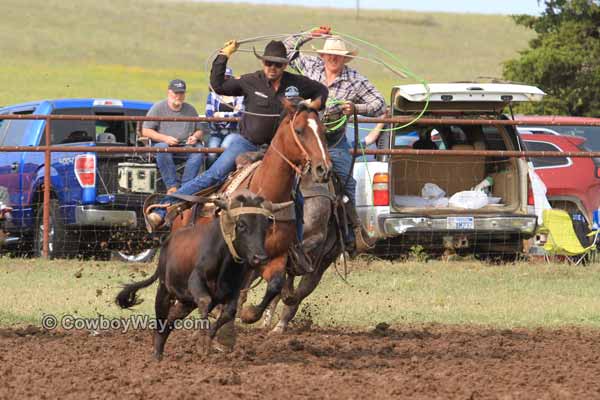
<point>13,133</point>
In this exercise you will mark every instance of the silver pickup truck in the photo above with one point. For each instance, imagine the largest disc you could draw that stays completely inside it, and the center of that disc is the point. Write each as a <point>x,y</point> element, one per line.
<point>394,196</point>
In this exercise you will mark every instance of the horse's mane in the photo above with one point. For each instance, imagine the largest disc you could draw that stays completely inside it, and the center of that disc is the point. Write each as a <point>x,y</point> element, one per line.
<point>296,105</point>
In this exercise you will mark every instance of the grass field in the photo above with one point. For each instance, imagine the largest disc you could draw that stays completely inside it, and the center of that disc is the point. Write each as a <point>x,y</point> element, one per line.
<point>130,49</point>
<point>521,295</point>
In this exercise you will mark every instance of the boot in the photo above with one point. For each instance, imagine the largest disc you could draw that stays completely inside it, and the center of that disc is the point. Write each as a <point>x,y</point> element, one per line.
<point>299,263</point>
<point>362,241</point>
<point>153,222</point>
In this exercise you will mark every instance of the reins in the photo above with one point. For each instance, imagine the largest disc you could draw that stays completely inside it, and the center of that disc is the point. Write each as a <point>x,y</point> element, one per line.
<point>305,156</point>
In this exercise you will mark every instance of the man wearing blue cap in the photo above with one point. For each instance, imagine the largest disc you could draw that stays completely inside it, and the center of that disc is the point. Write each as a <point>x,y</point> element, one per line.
<point>170,133</point>
<point>222,134</point>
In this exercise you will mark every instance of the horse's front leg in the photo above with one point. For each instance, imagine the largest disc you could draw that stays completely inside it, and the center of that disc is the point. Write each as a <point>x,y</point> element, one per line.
<point>270,312</point>
<point>307,285</point>
<point>274,273</point>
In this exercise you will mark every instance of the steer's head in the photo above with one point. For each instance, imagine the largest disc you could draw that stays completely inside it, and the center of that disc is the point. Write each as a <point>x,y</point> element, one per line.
<point>247,219</point>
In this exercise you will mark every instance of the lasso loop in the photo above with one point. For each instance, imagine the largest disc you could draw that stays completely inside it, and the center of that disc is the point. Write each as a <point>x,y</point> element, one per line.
<point>401,71</point>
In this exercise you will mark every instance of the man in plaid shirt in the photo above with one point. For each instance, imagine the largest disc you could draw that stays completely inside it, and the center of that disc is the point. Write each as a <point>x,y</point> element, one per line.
<point>348,91</point>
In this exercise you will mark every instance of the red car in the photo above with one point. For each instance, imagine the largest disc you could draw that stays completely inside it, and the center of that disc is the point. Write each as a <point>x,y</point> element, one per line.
<point>573,184</point>
<point>542,124</point>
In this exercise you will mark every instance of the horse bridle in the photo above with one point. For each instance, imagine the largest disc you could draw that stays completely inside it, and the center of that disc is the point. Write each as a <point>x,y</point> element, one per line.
<point>305,163</point>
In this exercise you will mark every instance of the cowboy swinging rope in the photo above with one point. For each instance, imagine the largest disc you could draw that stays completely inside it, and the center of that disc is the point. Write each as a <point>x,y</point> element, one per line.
<point>395,67</point>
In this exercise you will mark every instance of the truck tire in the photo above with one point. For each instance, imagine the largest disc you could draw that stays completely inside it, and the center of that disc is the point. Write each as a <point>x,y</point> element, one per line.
<point>61,243</point>
<point>141,257</point>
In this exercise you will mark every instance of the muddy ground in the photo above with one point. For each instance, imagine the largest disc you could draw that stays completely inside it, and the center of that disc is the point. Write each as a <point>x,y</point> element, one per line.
<point>423,362</point>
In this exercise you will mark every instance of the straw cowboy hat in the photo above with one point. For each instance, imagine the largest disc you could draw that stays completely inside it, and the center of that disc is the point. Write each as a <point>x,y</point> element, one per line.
<point>336,46</point>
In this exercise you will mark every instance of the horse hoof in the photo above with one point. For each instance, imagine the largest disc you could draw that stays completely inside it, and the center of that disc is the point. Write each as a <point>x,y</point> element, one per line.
<point>157,356</point>
<point>221,348</point>
<point>278,330</point>
<point>250,314</point>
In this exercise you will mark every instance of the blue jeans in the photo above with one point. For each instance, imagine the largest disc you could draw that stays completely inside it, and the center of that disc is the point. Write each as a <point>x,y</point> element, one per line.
<point>166,163</point>
<point>219,139</point>
<point>342,160</point>
<point>216,174</point>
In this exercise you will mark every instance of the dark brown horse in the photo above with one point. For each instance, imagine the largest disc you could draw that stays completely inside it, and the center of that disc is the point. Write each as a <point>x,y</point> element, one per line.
<point>298,148</point>
<point>321,242</point>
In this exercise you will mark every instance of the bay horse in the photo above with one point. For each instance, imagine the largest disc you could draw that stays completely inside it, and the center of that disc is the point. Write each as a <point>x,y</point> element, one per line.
<point>298,148</point>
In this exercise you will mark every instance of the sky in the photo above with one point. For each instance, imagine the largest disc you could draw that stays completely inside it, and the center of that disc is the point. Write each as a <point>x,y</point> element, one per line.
<point>460,6</point>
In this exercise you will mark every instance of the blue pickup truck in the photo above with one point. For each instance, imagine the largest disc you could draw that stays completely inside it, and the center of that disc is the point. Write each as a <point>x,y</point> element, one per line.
<point>94,208</point>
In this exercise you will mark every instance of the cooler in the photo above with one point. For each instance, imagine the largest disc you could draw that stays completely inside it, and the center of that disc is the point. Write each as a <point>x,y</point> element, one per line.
<point>137,177</point>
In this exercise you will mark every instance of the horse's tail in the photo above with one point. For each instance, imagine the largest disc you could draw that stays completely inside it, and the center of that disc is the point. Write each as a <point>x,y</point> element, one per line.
<point>127,296</point>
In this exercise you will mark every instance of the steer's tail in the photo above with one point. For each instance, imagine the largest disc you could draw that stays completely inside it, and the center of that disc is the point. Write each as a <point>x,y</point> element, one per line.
<point>127,297</point>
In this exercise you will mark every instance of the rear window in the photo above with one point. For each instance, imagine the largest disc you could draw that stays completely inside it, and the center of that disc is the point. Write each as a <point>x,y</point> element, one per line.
<point>448,136</point>
<point>591,133</point>
<point>546,162</point>
<point>101,132</point>
<point>13,130</point>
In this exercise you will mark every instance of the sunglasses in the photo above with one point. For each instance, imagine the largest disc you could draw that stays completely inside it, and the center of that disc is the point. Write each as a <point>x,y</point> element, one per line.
<point>273,64</point>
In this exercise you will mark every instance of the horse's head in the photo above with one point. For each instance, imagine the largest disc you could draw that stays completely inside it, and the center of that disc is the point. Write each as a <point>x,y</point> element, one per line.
<point>246,218</point>
<point>303,140</point>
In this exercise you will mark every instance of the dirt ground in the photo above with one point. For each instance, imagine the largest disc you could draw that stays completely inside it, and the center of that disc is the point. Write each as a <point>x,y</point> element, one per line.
<point>423,362</point>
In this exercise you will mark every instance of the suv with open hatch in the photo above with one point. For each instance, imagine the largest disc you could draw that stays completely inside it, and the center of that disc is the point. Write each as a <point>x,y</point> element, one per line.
<point>467,203</point>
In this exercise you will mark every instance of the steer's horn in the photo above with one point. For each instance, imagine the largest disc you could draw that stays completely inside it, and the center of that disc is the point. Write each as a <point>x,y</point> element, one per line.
<point>280,206</point>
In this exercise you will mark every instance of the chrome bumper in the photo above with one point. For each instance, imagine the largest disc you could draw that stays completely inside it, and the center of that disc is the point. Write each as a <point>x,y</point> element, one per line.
<point>96,217</point>
<point>393,226</point>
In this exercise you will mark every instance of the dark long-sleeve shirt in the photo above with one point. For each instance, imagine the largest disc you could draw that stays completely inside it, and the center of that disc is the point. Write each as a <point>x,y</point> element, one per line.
<point>261,98</point>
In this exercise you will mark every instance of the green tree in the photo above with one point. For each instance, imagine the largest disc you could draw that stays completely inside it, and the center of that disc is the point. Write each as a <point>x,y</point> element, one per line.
<point>563,60</point>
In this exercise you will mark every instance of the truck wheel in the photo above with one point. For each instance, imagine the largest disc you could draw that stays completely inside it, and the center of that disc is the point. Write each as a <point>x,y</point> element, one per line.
<point>142,257</point>
<point>61,242</point>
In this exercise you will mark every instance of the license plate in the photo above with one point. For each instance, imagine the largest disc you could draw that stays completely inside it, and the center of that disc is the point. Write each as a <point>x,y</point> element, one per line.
<point>460,223</point>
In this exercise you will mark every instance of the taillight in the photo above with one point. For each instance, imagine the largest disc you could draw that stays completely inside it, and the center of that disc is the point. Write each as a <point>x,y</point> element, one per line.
<point>85,170</point>
<point>530,198</point>
<point>381,193</point>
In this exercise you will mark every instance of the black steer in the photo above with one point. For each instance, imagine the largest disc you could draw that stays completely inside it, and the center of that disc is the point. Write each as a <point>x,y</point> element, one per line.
<point>196,267</point>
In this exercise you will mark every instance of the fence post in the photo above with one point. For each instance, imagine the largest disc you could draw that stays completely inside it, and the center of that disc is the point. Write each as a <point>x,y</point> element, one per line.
<point>46,206</point>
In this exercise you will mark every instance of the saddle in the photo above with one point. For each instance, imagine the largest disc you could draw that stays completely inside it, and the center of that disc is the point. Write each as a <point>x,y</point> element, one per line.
<point>201,202</point>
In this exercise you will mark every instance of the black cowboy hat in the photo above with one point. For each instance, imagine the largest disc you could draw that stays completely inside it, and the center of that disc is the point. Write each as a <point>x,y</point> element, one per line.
<point>274,51</point>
